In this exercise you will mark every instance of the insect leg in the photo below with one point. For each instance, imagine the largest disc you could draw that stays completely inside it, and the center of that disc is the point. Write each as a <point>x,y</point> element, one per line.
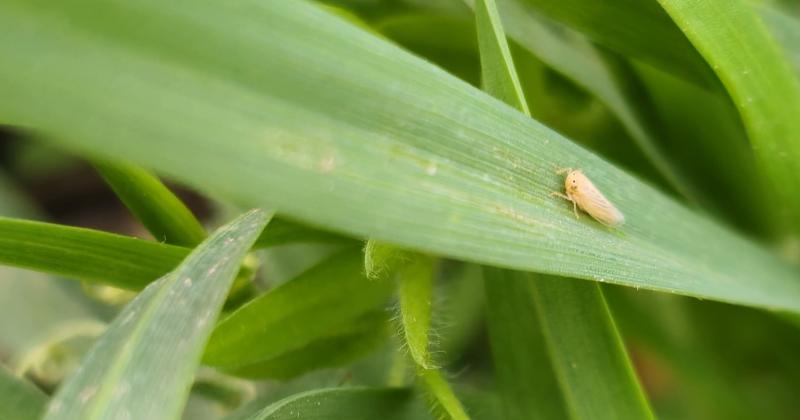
<point>575,209</point>
<point>558,194</point>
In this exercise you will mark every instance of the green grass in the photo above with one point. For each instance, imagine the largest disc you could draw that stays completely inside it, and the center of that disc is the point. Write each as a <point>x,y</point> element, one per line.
<point>409,260</point>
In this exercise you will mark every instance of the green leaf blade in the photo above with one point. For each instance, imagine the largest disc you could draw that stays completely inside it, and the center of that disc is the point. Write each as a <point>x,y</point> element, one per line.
<point>588,356</point>
<point>340,348</point>
<point>732,38</point>
<point>519,376</point>
<point>321,303</point>
<point>523,370</point>
<point>163,213</point>
<point>85,254</point>
<point>144,364</point>
<point>470,177</point>
<point>497,68</point>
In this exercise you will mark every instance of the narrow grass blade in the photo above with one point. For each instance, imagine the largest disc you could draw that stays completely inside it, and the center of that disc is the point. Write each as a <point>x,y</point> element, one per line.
<point>19,399</point>
<point>341,403</point>
<point>525,377</point>
<point>733,39</point>
<point>321,303</point>
<point>143,366</point>
<point>161,212</point>
<point>85,254</point>
<point>520,377</point>
<point>445,168</point>
<point>497,68</point>
<point>595,375</point>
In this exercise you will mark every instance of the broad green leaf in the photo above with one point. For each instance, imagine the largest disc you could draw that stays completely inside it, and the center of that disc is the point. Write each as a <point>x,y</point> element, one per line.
<point>525,377</point>
<point>733,39</point>
<point>445,168</point>
<point>415,293</point>
<point>164,214</point>
<point>321,303</point>
<point>348,344</point>
<point>338,403</point>
<point>143,366</point>
<point>19,399</point>
<point>595,375</point>
<point>85,254</point>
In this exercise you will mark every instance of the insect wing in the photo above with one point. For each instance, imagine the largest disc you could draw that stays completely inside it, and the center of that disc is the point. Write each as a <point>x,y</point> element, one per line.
<point>592,201</point>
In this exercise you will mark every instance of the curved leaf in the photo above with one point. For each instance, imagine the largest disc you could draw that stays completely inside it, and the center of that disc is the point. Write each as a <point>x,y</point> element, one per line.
<point>164,214</point>
<point>732,38</point>
<point>143,366</point>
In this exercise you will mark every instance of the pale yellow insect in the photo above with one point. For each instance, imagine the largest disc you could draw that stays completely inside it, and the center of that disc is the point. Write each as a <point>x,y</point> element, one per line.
<point>582,193</point>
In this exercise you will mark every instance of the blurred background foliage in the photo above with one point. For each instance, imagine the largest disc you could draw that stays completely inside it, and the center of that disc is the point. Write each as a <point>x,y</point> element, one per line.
<point>696,359</point>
